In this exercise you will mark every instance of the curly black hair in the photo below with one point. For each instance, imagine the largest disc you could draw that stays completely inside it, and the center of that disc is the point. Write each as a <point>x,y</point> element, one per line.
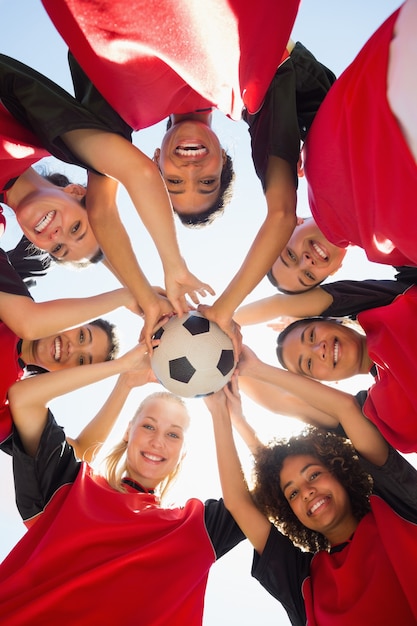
<point>336,453</point>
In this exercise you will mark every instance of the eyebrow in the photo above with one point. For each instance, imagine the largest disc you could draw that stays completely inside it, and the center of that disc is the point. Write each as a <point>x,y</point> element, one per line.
<point>91,339</point>
<point>201,191</point>
<point>300,358</point>
<point>301,472</point>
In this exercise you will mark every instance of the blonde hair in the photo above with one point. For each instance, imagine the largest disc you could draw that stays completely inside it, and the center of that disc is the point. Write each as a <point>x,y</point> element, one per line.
<point>114,465</point>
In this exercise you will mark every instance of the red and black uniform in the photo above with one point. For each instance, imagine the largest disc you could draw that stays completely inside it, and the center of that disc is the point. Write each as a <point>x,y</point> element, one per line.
<point>11,366</point>
<point>367,580</point>
<point>97,556</point>
<point>361,174</point>
<point>293,98</point>
<point>168,57</point>
<point>34,114</point>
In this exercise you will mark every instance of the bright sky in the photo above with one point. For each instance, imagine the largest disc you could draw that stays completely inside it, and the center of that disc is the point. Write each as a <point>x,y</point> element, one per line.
<point>334,32</point>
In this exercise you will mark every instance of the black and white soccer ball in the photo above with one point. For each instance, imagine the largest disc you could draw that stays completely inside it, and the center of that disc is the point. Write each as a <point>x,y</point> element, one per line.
<point>194,357</point>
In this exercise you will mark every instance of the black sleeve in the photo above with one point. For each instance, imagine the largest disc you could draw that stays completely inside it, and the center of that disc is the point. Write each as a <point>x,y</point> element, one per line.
<point>282,569</point>
<point>223,531</point>
<point>350,297</point>
<point>37,479</point>
<point>43,107</point>
<point>10,281</point>
<point>87,94</point>
<point>396,483</point>
<point>291,103</point>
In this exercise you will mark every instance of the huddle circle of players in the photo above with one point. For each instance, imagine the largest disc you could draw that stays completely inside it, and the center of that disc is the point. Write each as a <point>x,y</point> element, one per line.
<point>337,491</point>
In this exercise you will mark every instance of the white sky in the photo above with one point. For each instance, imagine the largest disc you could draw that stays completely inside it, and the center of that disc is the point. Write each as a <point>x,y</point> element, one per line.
<point>334,32</point>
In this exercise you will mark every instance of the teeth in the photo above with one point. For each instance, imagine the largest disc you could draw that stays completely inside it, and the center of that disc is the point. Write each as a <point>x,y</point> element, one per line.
<point>152,457</point>
<point>320,251</point>
<point>335,352</point>
<point>316,506</point>
<point>191,150</point>
<point>58,346</point>
<point>44,222</point>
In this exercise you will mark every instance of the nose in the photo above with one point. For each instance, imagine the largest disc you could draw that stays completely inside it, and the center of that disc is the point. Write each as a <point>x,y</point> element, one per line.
<point>308,492</point>
<point>308,259</point>
<point>55,234</point>
<point>320,349</point>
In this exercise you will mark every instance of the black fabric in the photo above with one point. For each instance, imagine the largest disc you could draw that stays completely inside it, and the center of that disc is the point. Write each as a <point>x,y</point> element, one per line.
<point>10,281</point>
<point>36,479</point>
<point>291,103</point>
<point>223,531</point>
<point>350,297</point>
<point>282,567</point>
<point>46,109</point>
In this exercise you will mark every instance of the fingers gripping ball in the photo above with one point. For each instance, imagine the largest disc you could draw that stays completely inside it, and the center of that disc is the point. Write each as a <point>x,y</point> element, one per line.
<point>194,357</point>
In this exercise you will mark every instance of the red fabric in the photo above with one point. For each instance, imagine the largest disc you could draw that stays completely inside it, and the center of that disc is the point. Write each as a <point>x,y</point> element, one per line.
<point>361,174</point>
<point>108,558</point>
<point>151,58</point>
<point>370,581</point>
<point>391,337</point>
<point>19,148</point>
<point>10,372</point>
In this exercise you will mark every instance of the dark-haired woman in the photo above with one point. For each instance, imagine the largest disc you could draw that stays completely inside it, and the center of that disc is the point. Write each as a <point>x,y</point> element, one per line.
<point>334,524</point>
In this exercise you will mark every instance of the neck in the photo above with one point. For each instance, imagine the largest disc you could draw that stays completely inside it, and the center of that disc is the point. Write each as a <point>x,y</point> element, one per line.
<point>199,116</point>
<point>366,362</point>
<point>342,532</point>
<point>28,183</point>
<point>28,352</point>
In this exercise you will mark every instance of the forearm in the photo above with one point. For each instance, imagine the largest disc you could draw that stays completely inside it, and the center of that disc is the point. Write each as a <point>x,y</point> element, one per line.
<point>90,439</point>
<point>268,244</point>
<point>33,320</point>
<point>248,434</point>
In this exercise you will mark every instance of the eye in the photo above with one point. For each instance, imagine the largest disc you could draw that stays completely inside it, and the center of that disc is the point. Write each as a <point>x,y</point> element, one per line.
<point>75,228</point>
<point>173,435</point>
<point>309,365</point>
<point>208,181</point>
<point>148,426</point>
<point>81,360</point>
<point>174,181</point>
<point>291,255</point>
<point>310,276</point>
<point>82,336</point>
<point>311,335</point>
<point>315,475</point>
<point>292,495</point>
<point>56,248</point>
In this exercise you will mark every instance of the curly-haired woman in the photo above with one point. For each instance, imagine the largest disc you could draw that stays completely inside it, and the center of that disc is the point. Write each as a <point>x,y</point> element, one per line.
<point>333,526</point>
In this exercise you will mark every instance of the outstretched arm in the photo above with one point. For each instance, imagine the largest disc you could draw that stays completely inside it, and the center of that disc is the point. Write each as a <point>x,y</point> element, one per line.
<point>271,238</point>
<point>341,407</point>
<point>29,398</point>
<point>306,304</point>
<point>33,320</point>
<point>117,158</point>
<point>236,495</point>
<point>234,404</point>
<point>91,438</point>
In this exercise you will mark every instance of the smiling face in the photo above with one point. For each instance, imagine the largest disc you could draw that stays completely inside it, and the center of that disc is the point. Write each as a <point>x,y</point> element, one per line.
<point>307,259</point>
<point>79,346</point>
<point>191,161</point>
<point>155,441</point>
<point>316,497</point>
<point>54,220</point>
<point>325,350</point>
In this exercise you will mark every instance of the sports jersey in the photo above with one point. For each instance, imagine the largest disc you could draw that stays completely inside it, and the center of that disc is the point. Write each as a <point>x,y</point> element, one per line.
<point>11,368</point>
<point>361,175</point>
<point>391,337</point>
<point>291,103</point>
<point>350,297</point>
<point>168,57</point>
<point>97,556</point>
<point>367,580</point>
<point>34,113</point>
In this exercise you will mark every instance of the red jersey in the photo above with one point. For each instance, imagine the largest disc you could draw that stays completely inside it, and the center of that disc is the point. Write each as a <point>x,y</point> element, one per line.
<point>10,372</point>
<point>154,58</point>
<point>362,177</point>
<point>391,337</point>
<point>97,556</point>
<point>370,581</point>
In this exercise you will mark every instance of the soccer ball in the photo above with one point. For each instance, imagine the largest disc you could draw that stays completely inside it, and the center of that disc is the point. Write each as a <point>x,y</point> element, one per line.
<point>194,358</point>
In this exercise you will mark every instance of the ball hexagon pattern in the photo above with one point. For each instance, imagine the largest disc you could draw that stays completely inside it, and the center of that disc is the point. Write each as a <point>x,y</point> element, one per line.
<point>194,358</point>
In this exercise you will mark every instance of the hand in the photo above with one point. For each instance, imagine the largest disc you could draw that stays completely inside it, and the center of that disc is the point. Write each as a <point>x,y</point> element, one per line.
<point>228,326</point>
<point>180,284</point>
<point>247,361</point>
<point>215,401</point>
<point>155,313</point>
